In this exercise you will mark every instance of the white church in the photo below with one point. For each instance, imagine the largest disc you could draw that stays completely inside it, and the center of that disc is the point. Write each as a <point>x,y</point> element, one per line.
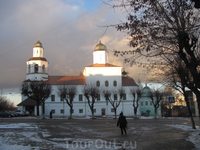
<point>100,73</point>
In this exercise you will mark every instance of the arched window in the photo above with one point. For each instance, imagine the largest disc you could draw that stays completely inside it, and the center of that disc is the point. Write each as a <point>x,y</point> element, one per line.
<point>43,69</point>
<point>98,84</point>
<point>36,68</point>
<point>106,83</point>
<point>146,103</point>
<point>115,83</point>
<point>29,68</point>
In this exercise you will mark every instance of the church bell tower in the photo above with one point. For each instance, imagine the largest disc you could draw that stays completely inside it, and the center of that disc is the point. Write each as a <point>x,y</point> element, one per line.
<point>100,54</point>
<point>37,66</point>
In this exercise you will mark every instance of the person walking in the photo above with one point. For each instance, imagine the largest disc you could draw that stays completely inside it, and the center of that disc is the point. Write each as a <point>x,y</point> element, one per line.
<point>122,123</point>
<point>51,114</point>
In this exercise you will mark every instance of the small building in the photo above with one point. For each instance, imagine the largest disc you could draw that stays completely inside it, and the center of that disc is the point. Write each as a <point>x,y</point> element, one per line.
<point>146,105</point>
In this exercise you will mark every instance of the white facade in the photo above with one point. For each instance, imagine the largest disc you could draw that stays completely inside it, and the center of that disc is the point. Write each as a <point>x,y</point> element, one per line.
<point>107,76</point>
<point>81,108</point>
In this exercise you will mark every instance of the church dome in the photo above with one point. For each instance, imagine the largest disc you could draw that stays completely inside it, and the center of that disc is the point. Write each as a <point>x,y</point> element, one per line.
<point>100,46</point>
<point>38,44</point>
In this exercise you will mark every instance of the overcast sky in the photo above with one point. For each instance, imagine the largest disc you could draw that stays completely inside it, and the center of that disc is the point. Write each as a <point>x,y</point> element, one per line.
<point>68,29</point>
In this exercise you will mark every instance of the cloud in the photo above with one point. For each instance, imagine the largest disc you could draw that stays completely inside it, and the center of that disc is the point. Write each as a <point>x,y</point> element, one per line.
<point>68,31</point>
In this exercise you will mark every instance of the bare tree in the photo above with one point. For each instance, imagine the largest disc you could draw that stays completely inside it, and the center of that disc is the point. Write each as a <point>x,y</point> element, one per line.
<point>91,93</point>
<point>179,75</point>
<point>38,91</point>
<point>162,31</point>
<point>5,104</point>
<point>68,93</point>
<point>156,96</point>
<point>136,97</point>
<point>113,101</point>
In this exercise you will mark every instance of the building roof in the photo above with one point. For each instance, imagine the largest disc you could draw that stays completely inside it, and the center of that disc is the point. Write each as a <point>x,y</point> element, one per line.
<point>128,81</point>
<point>80,80</point>
<point>38,58</point>
<point>100,47</point>
<point>38,44</point>
<point>103,65</point>
<point>27,102</point>
<point>66,80</point>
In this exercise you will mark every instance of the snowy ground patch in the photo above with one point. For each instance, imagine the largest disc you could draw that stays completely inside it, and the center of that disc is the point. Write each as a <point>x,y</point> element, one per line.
<point>194,136</point>
<point>18,126</point>
<point>23,137</point>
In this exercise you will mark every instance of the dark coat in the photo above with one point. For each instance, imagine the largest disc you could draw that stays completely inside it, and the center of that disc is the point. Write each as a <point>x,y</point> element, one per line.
<point>122,121</point>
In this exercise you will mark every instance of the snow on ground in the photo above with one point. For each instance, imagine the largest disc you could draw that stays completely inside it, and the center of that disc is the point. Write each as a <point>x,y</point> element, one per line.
<point>194,136</point>
<point>25,136</point>
<point>21,137</point>
<point>18,126</point>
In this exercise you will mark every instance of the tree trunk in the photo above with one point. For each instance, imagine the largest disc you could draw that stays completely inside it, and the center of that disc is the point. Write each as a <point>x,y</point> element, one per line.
<point>190,113</point>
<point>71,110</point>
<point>135,112</point>
<point>115,110</point>
<point>43,109</point>
<point>92,111</point>
<point>155,113</point>
<point>198,104</point>
<point>189,110</point>
<point>38,113</point>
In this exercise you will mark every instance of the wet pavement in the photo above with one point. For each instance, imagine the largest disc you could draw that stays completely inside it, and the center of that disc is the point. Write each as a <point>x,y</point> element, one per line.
<point>102,133</point>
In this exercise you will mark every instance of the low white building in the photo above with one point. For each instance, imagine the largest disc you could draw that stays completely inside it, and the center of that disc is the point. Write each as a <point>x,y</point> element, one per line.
<point>100,74</point>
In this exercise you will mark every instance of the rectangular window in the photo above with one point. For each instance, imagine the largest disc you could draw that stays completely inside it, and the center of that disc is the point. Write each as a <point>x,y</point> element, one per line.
<point>80,97</point>
<point>61,99</point>
<point>53,98</point>
<point>142,103</point>
<point>107,98</point>
<point>53,111</point>
<point>80,111</point>
<point>146,103</point>
<point>94,110</point>
<point>62,111</point>
<point>115,97</point>
<point>124,97</point>
<point>151,104</point>
<point>112,110</point>
<point>98,97</point>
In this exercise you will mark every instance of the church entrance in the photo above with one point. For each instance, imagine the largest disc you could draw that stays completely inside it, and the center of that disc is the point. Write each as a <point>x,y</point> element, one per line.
<point>103,111</point>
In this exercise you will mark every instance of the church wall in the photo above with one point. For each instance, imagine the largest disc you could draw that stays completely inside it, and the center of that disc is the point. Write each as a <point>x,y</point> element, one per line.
<point>100,57</point>
<point>81,108</point>
<point>104,71</point>
<point>37,52</point>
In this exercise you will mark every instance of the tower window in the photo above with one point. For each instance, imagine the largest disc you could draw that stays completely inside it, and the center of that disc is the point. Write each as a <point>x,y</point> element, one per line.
<point>29,68</point>
<point>106,83</point>
<point>98,84</point>
<point>43,69</point>
<point>36,68</point>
